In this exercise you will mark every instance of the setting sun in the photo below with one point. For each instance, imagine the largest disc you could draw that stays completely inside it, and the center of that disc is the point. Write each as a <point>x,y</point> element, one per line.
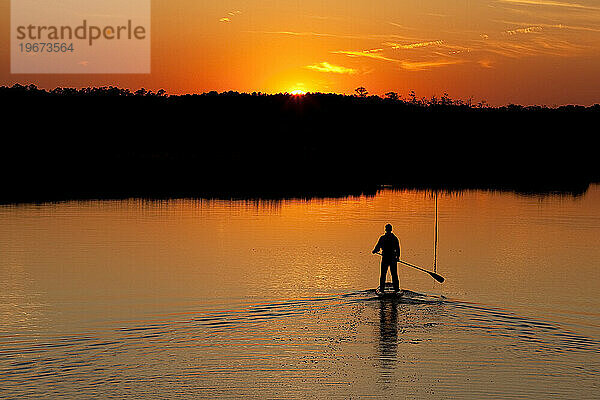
<point>298,92</point>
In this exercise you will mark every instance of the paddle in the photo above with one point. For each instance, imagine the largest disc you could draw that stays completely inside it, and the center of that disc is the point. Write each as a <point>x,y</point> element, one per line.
<point>435,276</point>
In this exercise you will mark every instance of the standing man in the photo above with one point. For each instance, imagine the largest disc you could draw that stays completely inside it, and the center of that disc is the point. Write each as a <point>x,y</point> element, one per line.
<point>390,246</point>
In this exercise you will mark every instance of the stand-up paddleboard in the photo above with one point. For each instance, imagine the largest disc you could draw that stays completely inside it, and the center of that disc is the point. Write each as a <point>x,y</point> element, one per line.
<point>389,292</point>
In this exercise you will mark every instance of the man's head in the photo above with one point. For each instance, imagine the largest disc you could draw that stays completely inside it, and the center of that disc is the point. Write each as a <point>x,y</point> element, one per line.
<point>388,228</point>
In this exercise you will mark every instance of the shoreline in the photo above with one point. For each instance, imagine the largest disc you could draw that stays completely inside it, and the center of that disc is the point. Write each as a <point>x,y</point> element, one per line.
<point>23,198</point>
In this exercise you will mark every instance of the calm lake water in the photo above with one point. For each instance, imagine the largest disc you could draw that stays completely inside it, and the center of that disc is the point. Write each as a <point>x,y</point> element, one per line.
<point>273,299</point>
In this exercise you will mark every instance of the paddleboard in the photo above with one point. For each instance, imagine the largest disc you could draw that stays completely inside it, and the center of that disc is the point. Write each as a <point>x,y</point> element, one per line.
<point>389,292</point>
<point>389,295</point>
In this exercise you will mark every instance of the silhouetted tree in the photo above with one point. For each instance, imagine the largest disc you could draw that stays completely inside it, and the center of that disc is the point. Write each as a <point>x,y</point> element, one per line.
<point>445,100</point>
<point>361,91</point>
<point>392,95</point>
<point>413,97</point>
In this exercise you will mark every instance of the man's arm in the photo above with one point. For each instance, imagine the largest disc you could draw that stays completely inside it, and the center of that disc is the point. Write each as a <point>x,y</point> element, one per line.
<point>397,249</point>
<point>377,246</point>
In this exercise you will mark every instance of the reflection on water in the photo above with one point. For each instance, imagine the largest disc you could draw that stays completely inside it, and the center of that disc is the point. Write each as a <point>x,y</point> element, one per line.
<point>388,338</point>
<point>199,299</point>
<point>317,347</point>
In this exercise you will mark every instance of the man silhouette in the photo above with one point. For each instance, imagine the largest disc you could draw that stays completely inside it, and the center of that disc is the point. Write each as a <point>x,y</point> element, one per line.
<point>390,247</point>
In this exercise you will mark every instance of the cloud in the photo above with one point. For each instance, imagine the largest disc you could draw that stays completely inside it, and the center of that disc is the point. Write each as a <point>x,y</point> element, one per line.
<point>530,39</point>
<point>375,54</point>
<point>401,26</point>
<point>292,33</point>
<point>537,45</point>
<point>549,3</point>
<point>332,35</point>
<point>553,26</point>
<point>326,67</point>
<point>530,29</point>
<point>437,15</point>
<point>414,45</point>
<point>404,64</point>
<point>423,65</point>
<point>230,14</point>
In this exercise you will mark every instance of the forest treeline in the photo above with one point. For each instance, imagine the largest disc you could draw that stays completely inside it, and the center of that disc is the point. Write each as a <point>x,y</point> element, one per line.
<point>112,142</point>
<point>411,101</point>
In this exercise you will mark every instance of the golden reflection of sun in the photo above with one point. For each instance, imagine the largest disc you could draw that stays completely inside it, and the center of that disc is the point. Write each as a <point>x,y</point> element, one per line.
<point>298,92</point>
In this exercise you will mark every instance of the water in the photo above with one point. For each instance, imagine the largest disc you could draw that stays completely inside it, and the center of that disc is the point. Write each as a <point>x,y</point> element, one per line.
<point>273,299</point>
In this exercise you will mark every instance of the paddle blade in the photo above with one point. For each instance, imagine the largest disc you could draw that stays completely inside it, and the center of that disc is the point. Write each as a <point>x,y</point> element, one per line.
<point>437,277</point>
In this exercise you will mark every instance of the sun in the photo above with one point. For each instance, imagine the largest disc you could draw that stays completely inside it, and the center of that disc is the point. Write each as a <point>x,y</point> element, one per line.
<point>298,92</point>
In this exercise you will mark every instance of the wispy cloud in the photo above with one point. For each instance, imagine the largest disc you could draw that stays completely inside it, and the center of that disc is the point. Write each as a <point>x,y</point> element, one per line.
<point>521,41</point>
<point>326,67</point>
<point>550,3</point>
<point>423,65</point>
<point>231,14</point>
<point>539,45</point>
<point>553,26</point>
<point>404,64</point>
<point>433,59</point>
<point>530,39</point>
<point>401,26</point>
<point>438,15</point>
<point>414,45</point>
<point>293,33</point>
<point>374,54</point>
<point>324,18</point>
<point>378,37</point>
<point>530,29</point>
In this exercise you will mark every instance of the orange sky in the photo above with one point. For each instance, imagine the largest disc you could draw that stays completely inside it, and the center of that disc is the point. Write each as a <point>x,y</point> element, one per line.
<point>502,51</point>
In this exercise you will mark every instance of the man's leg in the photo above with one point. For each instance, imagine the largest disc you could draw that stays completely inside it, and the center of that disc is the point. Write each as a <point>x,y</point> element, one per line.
<point>384,267</point>
<point>395,280</point>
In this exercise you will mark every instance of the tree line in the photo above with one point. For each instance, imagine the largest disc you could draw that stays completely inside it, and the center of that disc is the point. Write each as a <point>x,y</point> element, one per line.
<point>361,95</point>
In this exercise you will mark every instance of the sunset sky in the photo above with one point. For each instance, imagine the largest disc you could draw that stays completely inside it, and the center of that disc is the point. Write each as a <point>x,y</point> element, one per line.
<point>502,51</point>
